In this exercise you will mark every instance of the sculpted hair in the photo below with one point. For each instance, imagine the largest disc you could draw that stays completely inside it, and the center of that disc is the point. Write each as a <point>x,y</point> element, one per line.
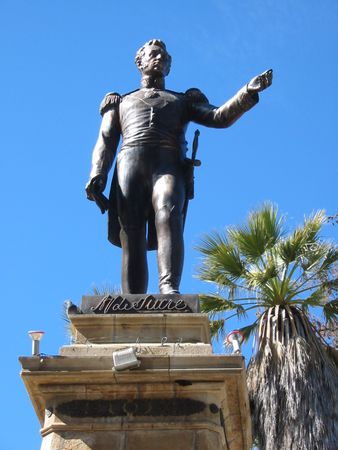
<point>158,43</point>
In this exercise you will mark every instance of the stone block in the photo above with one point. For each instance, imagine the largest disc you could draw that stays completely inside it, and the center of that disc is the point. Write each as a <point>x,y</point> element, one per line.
<point>209,440</point>
<point>154,349</point>
<point>82,440</point>
<point>68,441</point>
<point>143,328</point>
<point>160,440</point>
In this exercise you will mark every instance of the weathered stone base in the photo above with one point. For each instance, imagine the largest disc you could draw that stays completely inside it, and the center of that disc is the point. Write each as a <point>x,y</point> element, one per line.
<point>159,439</point>
<point>181,397</point>
<point>145,328</point>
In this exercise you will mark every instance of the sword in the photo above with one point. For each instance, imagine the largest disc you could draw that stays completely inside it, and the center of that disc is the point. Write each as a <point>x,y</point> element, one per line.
<point>195,147</point>
<point>194,163</point>
<point>191,164</point>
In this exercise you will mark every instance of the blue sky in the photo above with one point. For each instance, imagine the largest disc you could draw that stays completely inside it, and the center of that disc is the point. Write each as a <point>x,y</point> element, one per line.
<point>60,57</point>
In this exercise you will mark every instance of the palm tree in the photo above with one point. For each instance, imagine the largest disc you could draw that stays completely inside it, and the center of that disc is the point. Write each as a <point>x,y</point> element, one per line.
<point>292,381</point>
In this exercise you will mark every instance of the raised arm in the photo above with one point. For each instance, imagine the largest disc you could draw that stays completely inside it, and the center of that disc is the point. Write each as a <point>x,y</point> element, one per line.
<point>106,145</point>
<point>222,117</point>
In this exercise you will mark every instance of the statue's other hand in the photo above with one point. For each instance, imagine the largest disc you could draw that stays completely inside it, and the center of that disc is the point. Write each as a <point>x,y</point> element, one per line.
<point>95,186</point>
<point>260,82</point>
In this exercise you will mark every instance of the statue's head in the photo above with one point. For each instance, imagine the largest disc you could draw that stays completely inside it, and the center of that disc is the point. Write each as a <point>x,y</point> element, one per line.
<point>153,59</point>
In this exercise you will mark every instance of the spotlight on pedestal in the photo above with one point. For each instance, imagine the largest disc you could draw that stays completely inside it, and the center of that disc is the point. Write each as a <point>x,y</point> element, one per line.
<point>125,359</point>
<point>235,338</point>
<point>36,338</point>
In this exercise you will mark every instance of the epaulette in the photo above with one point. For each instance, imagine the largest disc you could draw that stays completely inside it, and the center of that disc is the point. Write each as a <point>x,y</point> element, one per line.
<point>111,99</point>
<point>128,93</point>
<point>196,96</point>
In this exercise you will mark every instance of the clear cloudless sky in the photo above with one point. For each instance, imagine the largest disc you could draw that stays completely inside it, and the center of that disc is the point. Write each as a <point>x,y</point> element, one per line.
<point>60,57</point>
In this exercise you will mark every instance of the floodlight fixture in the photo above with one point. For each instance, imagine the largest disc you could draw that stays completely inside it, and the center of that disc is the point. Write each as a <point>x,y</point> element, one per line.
<point>125,359</point>
<point>36,337</point>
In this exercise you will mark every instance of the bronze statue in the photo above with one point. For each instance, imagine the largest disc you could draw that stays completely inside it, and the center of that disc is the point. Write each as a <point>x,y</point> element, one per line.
<point>149,193</point>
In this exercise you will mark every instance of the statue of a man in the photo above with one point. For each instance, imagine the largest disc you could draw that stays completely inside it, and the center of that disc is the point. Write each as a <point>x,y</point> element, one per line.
<point>147,201</point>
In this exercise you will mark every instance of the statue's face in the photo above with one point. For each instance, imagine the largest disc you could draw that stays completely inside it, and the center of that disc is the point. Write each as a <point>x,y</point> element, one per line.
<point>155,61</point>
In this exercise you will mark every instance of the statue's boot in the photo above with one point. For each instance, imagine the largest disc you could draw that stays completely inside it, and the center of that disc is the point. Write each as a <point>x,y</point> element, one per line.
<point>170,253</point>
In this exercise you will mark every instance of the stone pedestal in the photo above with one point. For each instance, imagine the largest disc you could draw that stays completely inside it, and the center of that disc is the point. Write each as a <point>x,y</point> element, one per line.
<point>180,397</point>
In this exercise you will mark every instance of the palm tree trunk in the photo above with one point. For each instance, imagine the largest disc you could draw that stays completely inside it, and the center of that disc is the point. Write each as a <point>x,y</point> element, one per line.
<point>293,385</point>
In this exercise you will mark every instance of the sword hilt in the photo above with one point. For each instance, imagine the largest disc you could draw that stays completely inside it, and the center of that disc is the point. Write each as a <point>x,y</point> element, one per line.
<point>195,145</point>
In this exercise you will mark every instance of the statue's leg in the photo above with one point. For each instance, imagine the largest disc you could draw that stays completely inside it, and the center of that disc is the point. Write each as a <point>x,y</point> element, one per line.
<point>134,261</point>
<point>132,208</point>
<point>168,201</point>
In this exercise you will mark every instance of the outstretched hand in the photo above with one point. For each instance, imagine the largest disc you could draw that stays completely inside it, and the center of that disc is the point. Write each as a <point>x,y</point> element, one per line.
<point>260,82</point>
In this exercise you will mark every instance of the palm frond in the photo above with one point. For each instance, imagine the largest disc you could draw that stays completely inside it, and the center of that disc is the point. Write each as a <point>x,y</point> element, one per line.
<point>261,232</point>
<point>210,242</point>
<point>105,289</point>
<point>248,330</point>
<point>330,285</point>
<point>255,258</point>
<point>220,253</point>
<point>215,304</point>
<point>222,261</point>
<point>303,241</point>
<point>217,328</point>
<point>315,299</point>
<point>331,258</point>
<point>259,276</point>
<point>293,247</point>
<point>272,224</point>
<point>330,311</point>
<point>314,255</point>
<point>313,224</point>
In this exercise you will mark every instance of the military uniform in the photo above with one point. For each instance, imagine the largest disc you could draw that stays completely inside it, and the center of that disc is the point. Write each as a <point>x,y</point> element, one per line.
<point>152,123</point>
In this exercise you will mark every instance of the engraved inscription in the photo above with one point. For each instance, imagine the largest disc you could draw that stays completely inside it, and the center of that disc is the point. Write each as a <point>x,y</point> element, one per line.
<point>119,304</point>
